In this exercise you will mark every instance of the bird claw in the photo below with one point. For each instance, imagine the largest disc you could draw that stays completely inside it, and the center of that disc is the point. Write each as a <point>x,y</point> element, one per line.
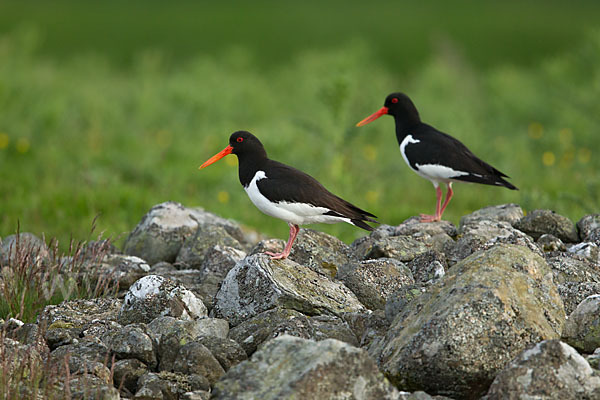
<point>430,218</point>
<point>276,256</point>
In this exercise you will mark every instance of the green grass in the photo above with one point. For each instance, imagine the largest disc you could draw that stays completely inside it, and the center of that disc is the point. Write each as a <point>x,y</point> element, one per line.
<point>85,134</point>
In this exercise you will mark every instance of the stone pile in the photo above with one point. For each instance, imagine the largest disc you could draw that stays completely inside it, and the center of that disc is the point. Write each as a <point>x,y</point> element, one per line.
<point>505,305</point>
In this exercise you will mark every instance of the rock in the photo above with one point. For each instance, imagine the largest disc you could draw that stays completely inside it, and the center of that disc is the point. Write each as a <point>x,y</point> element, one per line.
<point>227,351</point>
<point>550,370</point>
<point>65,323</point>
<point>196,395</point>
<point>194,358</point>
<point>153,296</point>
<point>372,281</point>
<point>251,333</point>
<point>510,213</point>
<point>19,362</point>
<point>132,341</point>
<point>258,283</point>
<point>548,242</point>
<point>320,252</point>
<point>127,372</point>
<point>162,231</point>
<point>573,293</point>
<point>272,245</point>
<point>419,395</point>
<point>588,251</point>
<point>400,299</point>
<point>569,267</point>
<point>211,327</point>
<point>485,311</point>
<point>589,228</point>
<point>25,247</point>
<point>401,248</point>
<point>121,269</point>
<point>168,385</point>
<point>218,261</point>
<point>87,357</point>
<point>538,222</point>
<point>91,387</point>
<point>194,249</point>
<point>582,329</point>
<point>485,234</point>
<point>367,326</point>
<point>428,267</point>
<point>288,367</point>
<point>413,226</point>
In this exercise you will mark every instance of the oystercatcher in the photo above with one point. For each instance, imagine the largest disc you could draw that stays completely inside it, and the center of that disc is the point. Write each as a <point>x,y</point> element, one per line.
<point>286,193</point>
<point>435,155</point>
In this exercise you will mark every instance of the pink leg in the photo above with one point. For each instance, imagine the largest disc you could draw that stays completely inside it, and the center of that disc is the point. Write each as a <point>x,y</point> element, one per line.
<point>449,194</point>
<point>438,212</point>
<point>294,229</point>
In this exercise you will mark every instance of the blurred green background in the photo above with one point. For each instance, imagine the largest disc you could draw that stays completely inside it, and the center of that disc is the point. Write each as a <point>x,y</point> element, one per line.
<point>107,108</point>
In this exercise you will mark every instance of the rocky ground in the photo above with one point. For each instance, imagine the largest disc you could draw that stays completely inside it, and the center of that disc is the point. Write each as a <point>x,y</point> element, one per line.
<point>503,306</point>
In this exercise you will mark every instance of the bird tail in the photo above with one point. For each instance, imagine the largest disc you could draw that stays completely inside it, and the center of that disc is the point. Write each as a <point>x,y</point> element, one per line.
<point>362,224</point>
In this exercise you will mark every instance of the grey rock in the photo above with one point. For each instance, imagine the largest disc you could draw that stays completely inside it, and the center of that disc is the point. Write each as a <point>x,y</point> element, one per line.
<point>127,372</point>
<point>218,261</point>
<point>320,252</point>
<point>589,228</point>
<point>511,213</point>
<point>91,387</point>
<point>196,395</point>
<point>485,311</point>
<point>258,283</point>
<point>549,242</point>
<point>195,247</point>
<point>194,358</point>
<point>168,385</point>
<point>428,267</point>
<point>582,329</point>
<point>413,226</point>
<point>569,267</point>
<point>372,281</point>
<point>485,234</point>
<point>132,341</point>
<point>18,361</point>
<point>332,327</point>
<point>272,245</point>
<point>587,250</point>
<point>87,357</point>
<point>367,326</point>
<point>162,231</point>
<point>538,222</point>
<point>251,334</point>
<point>401,248</point>
<point>121,269</point>
<point>399,300</point>
<point>227,351</point>
<point>64,323</point>
<point>269,324</point>
<point>153,296</point>
<point>550,370</point>
<point>25,246</point>
<point>211,327</point>
<point>573,293</point>
<point>287,367</point>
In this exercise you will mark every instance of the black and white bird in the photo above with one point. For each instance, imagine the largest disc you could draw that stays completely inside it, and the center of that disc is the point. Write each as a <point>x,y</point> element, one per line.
<point>286,193</point>
<point>435,155</point>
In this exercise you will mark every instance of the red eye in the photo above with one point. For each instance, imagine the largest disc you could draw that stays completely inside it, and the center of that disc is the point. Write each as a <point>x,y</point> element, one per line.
<point>240,139</point>
<point>394,100</point>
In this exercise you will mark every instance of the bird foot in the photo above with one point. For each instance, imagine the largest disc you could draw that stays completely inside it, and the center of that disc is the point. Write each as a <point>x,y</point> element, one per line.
<point>277,256</point>
<point>430,218</point>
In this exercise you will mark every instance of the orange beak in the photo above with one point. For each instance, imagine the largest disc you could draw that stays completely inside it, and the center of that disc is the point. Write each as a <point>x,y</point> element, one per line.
<point>217,157</point>
<point>374,116</point>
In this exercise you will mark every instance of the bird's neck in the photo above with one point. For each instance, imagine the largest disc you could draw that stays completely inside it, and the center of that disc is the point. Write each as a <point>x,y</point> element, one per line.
<point>249,165</point>
<point>405,126</point>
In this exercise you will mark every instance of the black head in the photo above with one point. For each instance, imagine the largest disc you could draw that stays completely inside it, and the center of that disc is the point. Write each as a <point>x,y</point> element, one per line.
<point>398,105</point>
<point>243,144</point>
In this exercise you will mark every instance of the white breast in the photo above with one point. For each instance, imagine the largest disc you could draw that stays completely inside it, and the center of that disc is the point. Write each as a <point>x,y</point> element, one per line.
<point>434,172</point>
<point>296,213</point>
